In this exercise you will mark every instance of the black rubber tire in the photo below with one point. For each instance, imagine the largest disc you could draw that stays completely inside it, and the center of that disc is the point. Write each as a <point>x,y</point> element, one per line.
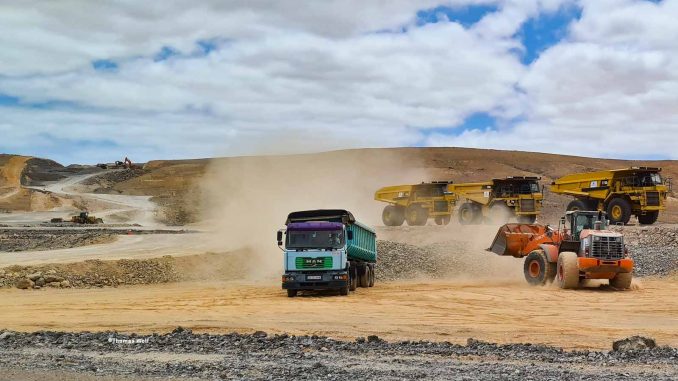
<point>648,218</point>
<point>291,293</point>
<point>443,220</point>
<point>353,277</point>
<point>537,269</point>
<point>578,205</point>
<point>527,219</point>
<point>393,215</point>
<point>344,291</point>
<point>622,281</point>
<point>500,213</point>
<point>568,270</point>
<point>469,214</point>
<point>373,276</point>
<point>416,215</point>
<point>619,211</point>
<point>363,276</point>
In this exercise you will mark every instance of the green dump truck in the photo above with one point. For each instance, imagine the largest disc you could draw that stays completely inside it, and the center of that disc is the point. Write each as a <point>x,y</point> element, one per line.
<point>327,250</point>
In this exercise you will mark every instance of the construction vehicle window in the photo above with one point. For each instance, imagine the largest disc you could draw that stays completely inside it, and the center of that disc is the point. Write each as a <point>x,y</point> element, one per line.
<point>315,239</point>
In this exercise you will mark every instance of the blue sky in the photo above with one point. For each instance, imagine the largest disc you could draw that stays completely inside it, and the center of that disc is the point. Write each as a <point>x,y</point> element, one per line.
<point>226,80</point>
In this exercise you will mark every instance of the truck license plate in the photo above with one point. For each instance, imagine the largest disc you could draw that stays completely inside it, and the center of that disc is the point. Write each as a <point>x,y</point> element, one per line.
<point>314,277</point>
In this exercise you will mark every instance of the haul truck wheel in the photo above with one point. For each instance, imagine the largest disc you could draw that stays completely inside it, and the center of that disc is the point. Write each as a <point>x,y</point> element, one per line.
<point>577,205</point>
<point>468,214</point>
<point>291,293</point>
<point>568,270</point>
<point>621,281</point>
<point>648,218</point>
<point>363,276</point>
<point>393,215</point>
<point>619,211</point>
<point>372,276</point>
<point>538,271</point>
<point>442,220</point>
<point>416,215</point>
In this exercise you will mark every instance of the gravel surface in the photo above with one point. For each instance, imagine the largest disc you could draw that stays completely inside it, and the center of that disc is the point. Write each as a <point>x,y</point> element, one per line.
<point>182,354</point>
<point>653,248</point>
<point>27,240</point>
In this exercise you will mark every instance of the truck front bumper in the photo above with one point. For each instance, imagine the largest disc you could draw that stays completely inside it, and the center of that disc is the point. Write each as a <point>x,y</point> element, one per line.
<point>315,281</point>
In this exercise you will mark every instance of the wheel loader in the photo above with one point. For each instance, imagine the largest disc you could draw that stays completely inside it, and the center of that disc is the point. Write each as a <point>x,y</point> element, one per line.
<point>621,193</point>
<point>85,218</point>
<point>497,200</point>
<point>581,248</point>
<point>416,203</point>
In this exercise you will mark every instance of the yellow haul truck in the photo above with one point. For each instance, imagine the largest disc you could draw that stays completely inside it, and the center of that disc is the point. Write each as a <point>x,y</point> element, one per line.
<point>416,203</point>
<point>621,193</point>
<point>498,200</point>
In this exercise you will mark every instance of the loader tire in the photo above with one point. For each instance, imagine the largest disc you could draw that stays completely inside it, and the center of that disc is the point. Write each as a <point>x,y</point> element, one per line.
<point>648,218</point>
<point>442,220</point>
<point>619,211</point>
<point>469,214</point>
<point>578,205</point>
<point>363,276</point>
<point>622,281</point>
<point>527,219</point>
<point>537,269</point>
<point>393,215</point>
<point>568,270</point>
<point>416,215</point>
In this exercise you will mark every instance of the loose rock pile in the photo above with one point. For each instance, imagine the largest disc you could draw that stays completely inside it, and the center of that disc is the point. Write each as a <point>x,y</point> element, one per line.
<point>26,240</point>
<point>654,249</point>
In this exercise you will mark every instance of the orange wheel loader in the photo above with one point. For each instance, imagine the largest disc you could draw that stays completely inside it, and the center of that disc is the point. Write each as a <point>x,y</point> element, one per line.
<point>581,248</point>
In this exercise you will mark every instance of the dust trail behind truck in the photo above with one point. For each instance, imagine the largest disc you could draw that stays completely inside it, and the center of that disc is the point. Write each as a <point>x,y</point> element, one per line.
<point>327,250</point>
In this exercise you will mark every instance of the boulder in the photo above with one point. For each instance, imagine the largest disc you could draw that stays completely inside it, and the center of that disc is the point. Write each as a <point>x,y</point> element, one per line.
<point>53,278</point>
<point>34,276</point>
<point>24,283</point>
<point>634,343</point>
<point>40,282</point>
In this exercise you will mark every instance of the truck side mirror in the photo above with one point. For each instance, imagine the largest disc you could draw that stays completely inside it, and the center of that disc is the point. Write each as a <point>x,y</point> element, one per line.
<point>349,235</point>
<point>279,236</point>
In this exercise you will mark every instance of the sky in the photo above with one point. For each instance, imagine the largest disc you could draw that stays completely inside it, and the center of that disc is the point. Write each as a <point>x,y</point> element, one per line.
<point>87,81</point>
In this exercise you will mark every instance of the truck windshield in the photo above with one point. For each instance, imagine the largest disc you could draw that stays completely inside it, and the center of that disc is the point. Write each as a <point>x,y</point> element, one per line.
<point>528,188</point>
<point>315,239</point>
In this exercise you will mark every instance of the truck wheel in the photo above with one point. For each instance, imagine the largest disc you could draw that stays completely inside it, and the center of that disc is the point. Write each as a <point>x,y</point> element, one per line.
<point>619,211</point>
<point>363,276</point>
<point>537,269</point>
<point>468,214</point>
<point>568,270</point>
<point>416,215</point>
<point>527,219</point>
<point>577,205</point>
<point>353,277</point>
<point>621,281</point>
<point>500,213</point>
<point>291,293</point>
<point>344,290</point>
<point>648,218</point>
<point>393,215</point>
<point>373,276</point>
<point>443,220</point>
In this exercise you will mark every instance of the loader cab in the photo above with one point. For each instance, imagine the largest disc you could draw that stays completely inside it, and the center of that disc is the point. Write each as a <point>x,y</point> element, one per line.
<point>580,220</point>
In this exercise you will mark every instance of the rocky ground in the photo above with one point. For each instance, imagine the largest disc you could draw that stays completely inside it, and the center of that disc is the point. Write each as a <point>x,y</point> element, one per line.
<point>184,355</point>
<point>28,240</point>
<point>654,249</point>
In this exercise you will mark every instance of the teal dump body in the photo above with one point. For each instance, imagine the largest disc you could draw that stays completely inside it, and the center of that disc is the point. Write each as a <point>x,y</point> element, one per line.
<point>363,246</point>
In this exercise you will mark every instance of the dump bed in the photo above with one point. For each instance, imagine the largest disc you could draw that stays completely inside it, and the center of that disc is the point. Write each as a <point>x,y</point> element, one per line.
<point>597,184</point>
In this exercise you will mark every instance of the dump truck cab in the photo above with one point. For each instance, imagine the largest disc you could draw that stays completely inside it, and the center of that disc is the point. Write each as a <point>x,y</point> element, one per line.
<point>417,203</point>
<point>621,193</point>
<point>499,199</point>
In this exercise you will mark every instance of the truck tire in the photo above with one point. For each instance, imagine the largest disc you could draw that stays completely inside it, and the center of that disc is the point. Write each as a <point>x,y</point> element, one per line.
<point>373,276</point>
<point>537,269</point>
<point>469,214</point>
<point>622,281</point>
<point>568,270</point>
<point>578,205</point>
<point>527,219</point>
<point>500,213</point>
<point>648,218</point>
<point>442,220</point>
<point>344,290</point>
<point>363,276</point>
<point>353,277</point>
<point>619,211</point>
<point>393,215</point>
<point>291,293</point>
<point>416,215</point>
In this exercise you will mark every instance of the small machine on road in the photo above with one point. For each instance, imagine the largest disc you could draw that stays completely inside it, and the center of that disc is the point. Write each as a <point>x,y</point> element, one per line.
<point>580,249</point>
<point>327,250</point>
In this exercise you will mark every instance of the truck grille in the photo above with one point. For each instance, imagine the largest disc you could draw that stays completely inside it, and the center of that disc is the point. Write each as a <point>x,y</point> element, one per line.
<point>652,198</point>
<point>527,205</point>
<point>440,206</point>
<point>607,248</point>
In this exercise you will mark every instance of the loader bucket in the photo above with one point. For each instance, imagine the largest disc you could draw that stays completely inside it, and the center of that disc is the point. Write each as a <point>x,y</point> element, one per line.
<point>511,239</point>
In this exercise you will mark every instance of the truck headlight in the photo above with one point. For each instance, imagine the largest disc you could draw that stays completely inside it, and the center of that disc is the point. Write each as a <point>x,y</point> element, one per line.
<point>288,278</point>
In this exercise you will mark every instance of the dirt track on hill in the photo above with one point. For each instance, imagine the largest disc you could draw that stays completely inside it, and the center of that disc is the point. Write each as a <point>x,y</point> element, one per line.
<point>502,311</point>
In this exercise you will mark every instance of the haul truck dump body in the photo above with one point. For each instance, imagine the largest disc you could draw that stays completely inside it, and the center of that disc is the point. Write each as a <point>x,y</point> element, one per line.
<point>579,249</point>
<point>621,193</point>
<point>416,203</point>
<point>499,199</point>
<point>327,250</point>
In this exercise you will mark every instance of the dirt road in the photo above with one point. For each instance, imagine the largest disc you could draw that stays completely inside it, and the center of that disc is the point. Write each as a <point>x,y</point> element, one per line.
<point>506,312</point>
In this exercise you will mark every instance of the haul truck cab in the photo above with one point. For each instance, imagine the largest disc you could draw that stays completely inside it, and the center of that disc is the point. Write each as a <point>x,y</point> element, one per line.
<point>327,250</point>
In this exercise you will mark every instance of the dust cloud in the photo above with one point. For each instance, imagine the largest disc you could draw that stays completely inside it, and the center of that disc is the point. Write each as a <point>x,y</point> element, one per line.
<point>247,199</point>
